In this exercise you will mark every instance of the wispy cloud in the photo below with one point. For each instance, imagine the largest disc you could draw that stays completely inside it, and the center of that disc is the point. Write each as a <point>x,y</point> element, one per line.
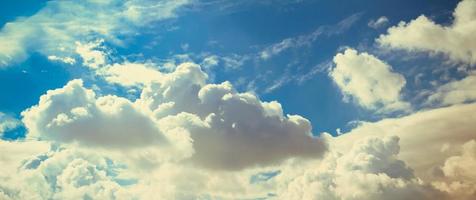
<point>309,39</point>
<point>378,23</point>
<point>54,29</point>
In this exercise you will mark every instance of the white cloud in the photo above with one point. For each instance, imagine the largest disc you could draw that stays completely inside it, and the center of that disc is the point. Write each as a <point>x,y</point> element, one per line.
<point>369,81</point>
<point>370,170</point>
<point>460,166</point>
<point>457,40</point>
<point>67,60</point>
<point>455,92</point>
<point>15,152</point>
<point>379,23</point>
<point>7,123</point>
<point>223,122</point>
<point>109,147</point>
<point>438,130</point>
<point>74,114</point>
<point>459,177</point>
<point>355,167</point>
<point>308,39</point>
<point>229,62</point>
<point>229,130</point>
<point>210,61</point>
<point>379,168</point>
<point>91,57</point>
<point>55,28</point>
<point>62,174</point>
<point>130,74</point>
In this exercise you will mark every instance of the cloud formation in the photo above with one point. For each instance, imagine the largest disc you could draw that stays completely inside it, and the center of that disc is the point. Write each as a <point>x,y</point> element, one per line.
<point>458,176</point>
<point>180,136</point>
<point>367,163</point>
<point>55,29</point>
<point>370,170</point>
<point>455,92</point>
<point>7,123</point>
<point>177,107</point>
<point>74,114</point>
<point>369,81</point>
<point>308,39</point>
<point>457,40</point>
<point>442,130</point>
<point>379,23</point>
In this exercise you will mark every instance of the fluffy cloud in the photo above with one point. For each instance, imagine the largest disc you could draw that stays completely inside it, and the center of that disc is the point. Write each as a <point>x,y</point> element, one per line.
<point>110,124</point>
<point>422,34</point>
<point>62,174</point>
<point>54,29</point>
<point>229,130</point>
<point>77,173</point>
<point>459,177</point>
<point>440,130</point>
<point>74,114</point>
<point>455,92</point>
<point>371,82</point>
<point>367,163</point>
<point>370,170</point>
<point>225,123</point>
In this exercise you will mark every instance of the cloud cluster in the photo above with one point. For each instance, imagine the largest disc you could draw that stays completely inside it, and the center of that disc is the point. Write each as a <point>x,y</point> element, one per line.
<point>74,114</point>
<point>383,160</point>
<point>371,82</point>
<point>54,29</point>
<point>186,138</point>
<point>370,170</point>
<point>441,130</point>
<point>228,129</point>
<point>458,175</point>
<point>367,163</point>
<point>59,174</point>
<point>457,40</point>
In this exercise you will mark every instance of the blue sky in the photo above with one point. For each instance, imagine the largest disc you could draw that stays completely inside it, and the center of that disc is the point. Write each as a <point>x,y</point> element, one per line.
<point>221,99</point>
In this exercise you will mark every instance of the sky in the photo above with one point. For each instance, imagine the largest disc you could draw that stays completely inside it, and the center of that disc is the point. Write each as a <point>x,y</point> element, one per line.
<point>219,99</point>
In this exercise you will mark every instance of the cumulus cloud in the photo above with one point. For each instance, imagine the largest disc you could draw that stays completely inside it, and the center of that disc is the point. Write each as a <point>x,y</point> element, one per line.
<point>224,122</point>
<point>455,92</point>
<point>387,167</point>
<point>459,178</point>
<point>369,81</point>
<point>77,173</point>
<point>370,170</point>
<point>74,114</point>
<point>457,40</point>
<point>367,163</point>
<point>62,174</point>
<point>54,29</point>
<point>440,130</point>
<point>229,130</point>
